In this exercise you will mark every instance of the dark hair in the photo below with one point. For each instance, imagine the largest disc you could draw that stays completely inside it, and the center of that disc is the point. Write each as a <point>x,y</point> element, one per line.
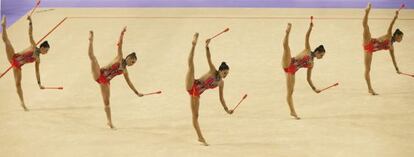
<point>45,44</point>
<point>132,56</point>
<point>398,32</point>
<point>320,48</point>
<point>223,66</point>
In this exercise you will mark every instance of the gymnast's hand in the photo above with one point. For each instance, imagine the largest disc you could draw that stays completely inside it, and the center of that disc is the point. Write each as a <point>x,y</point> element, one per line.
<point>208,42</point>
<point>124,30</point>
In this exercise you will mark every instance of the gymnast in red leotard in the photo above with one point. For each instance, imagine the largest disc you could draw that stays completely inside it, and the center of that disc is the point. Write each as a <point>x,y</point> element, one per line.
<point>376,45</point>
<point>199,87</point>
<point>212,79</point>
<point>110,72</point>
<point>303,60</point>
<point>372,45</point>
<point>29,55</point>
<point>103,75</point>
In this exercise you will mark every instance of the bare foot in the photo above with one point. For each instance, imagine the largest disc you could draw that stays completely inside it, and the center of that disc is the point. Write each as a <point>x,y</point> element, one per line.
<point>3,21</point>
<point>294,115</point>
<point>195,38</point>
<point>203,141</point>
<point>288,28</point>
<point>368,8</point>
<point>25,108</point>
<point>111,126</point>
<point>90,35</point>
<point>372,92</point>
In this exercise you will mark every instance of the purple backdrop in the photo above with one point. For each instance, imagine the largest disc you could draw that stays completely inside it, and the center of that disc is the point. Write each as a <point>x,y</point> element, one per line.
<point>14,9</point>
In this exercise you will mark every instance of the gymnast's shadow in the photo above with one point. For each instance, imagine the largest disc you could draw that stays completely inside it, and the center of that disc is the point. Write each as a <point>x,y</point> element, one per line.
<point>245,144</point>
<point>152,130</point>
<point>45,10</point>
<point>398,92</point>
<point>63,108</point>
<point>359,116</point>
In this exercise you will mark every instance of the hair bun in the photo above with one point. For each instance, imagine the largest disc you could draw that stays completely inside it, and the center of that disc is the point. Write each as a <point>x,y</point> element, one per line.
<point>224,66</point>
<point>45,44</point>
<point>132,54</point>
<point>398,32</point>
<point>320,48</point>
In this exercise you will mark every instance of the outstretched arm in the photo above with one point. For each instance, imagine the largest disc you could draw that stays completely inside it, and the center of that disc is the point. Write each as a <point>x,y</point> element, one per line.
<point>223,102</point>
<point>210,63</point>
<point>394,61</point>
<point>37,64</point>
<point>131,85</point>
<point>120,42</point>
<point>389,32</point>
<point>309,79</point>
<point>32,42</point>
<point>307,45</point>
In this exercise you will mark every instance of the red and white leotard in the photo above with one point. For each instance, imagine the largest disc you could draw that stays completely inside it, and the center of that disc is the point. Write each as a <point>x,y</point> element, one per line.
<point>19,60</point>
<point>110,73</point>
<point>376,45</point>
<point>295,64</point>
<point>199,87</point>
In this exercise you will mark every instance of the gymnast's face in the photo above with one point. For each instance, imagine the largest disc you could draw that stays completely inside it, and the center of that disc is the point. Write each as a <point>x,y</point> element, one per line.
<point>223,73</point>
<point>398,38</point>
<point>44,50</point>
<point>131,61</point>
<point>319,55</point>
